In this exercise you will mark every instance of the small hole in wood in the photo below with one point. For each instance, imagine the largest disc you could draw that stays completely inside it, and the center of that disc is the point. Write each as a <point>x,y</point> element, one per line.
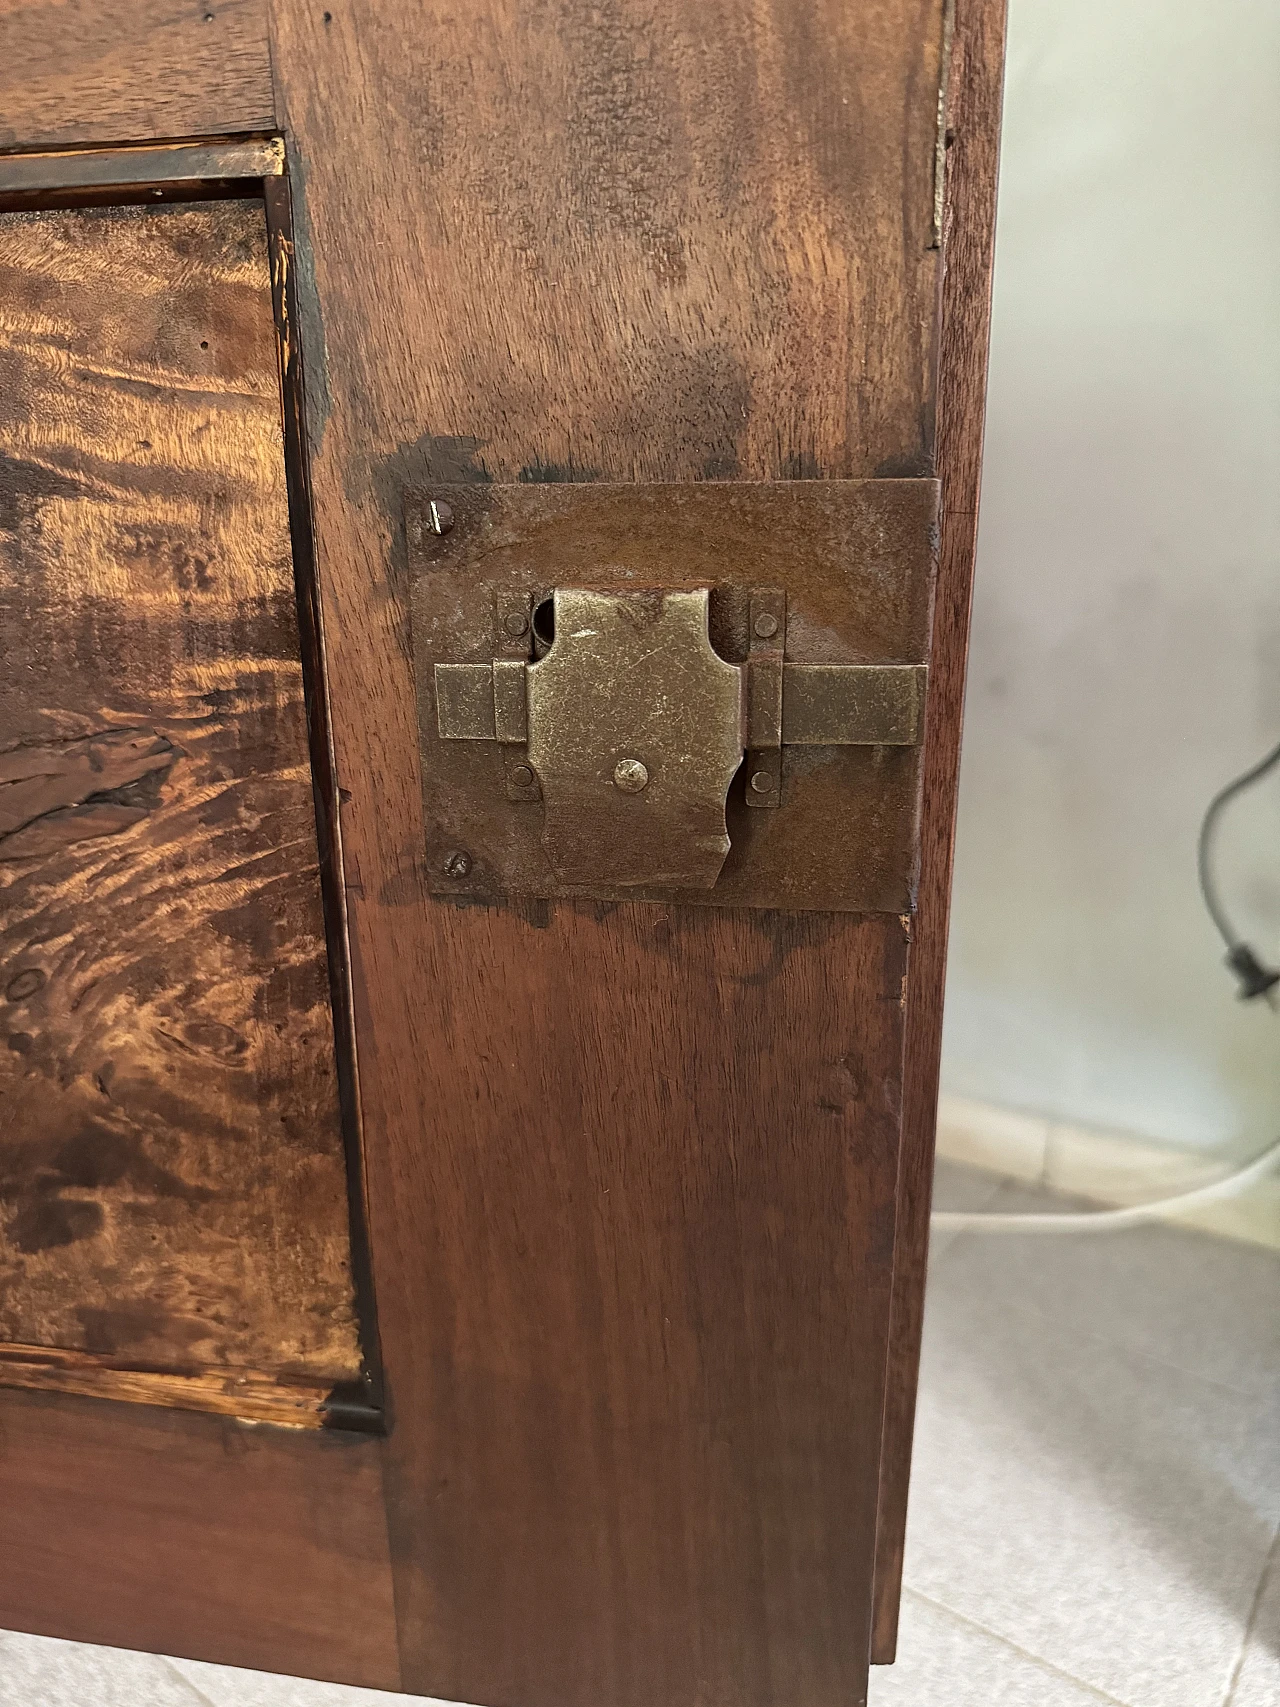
<point>204,343</point>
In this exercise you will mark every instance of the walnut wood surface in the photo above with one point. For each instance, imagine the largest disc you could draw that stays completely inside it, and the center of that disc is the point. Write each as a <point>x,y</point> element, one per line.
<point>172,1192</point>
<point>974,128</point>
<point>131,70</point>
<point>195,1536</point>
<point>648,241</point>
<point>632,1184</point>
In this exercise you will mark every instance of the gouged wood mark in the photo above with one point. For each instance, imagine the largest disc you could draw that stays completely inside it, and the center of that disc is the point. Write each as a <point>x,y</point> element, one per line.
<point>51,791</point>
<point>172,1187</point>
<point>244,1393</point>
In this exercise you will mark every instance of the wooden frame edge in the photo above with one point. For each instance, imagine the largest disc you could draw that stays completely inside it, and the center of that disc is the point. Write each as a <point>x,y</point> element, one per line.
<point>972,138</point>
<point>364,1405</point>
<point>188,1533</point>
<point>142,163</point>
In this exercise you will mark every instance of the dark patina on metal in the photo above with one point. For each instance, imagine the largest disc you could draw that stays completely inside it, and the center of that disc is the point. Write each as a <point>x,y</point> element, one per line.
<point>610,677</point>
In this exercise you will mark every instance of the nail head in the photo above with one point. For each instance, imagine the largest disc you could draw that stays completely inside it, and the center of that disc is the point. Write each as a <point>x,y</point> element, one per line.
<point>630,776</point>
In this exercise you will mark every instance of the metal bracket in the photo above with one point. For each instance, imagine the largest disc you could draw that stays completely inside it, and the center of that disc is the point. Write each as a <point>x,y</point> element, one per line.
<point>632,726</point>
<point>635,716</point>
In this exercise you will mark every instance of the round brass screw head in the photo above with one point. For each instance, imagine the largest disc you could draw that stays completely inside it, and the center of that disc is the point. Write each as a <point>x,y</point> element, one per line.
<point>521,775</point>
<point>457,863</point>
<point>762,782</point>
<point>630,776</point>
<point>439,517</point>
<point>515,623</point>
<point>766,625</point>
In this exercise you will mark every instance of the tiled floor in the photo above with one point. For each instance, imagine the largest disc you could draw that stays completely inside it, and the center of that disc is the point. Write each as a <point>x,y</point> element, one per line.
<point>1096,1504</point>
<point>1097,1492</point>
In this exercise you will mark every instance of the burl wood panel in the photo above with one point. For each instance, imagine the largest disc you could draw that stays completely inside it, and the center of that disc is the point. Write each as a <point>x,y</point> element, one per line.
<point>76,71</point>
<point>632,1189</point>
<point>172,1189</point>
<point>195,1536</point>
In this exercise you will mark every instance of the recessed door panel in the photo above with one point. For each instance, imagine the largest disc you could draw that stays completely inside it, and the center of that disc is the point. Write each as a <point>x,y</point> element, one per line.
<point>173,1206</point>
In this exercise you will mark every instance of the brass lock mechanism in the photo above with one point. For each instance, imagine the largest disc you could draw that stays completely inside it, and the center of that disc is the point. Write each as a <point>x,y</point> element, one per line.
<point>710,692</point>
<point>632,726</point>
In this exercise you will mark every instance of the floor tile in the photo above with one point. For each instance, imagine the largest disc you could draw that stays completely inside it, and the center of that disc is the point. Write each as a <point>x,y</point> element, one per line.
<point>37,1671</point>
<point>1209,1306</point>
<point>1257,1681</point>
<point>1105,1512</point>
<point>943,1661</point>
<point>227,1686</point>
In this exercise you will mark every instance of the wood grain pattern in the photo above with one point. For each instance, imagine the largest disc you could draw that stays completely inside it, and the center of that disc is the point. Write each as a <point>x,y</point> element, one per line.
<point>131,70</point>
<point>195,1536</point>
<point>663,241</point>
<point>631,1196</point>
<point>973,158</point>
<point>171,1172</point>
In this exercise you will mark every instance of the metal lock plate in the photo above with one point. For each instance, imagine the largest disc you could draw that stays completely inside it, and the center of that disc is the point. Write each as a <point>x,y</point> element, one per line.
<point>614,680</point>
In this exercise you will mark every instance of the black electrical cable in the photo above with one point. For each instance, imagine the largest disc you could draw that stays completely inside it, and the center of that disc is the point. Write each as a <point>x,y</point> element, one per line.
<point>1255,977</point>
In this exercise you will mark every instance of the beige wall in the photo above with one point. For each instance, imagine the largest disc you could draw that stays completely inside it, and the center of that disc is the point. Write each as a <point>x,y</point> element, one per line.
<point>1126,647</point>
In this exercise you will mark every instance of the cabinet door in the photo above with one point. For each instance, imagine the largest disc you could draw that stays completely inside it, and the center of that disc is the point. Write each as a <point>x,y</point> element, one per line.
<point>519,1243</point>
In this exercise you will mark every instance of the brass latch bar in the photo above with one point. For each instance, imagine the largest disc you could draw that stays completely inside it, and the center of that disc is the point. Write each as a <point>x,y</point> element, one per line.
<point>852,705</point>
<point>822,705</point>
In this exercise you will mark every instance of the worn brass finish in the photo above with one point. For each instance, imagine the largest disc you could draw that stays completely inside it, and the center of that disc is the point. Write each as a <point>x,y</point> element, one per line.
<point>632,682</point>
<point>613,679</point>
<point>636,671</point>
<point>767,615</point>
<point>833,705</point>
<point>464,702</point>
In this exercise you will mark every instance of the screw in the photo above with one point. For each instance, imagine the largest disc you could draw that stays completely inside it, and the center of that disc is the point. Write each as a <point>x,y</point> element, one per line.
<point>521,775</point>
<point>630,776</point>
<point>439,517</point>
<point>515,623</point>
<point>457,863</point>
<point>766,625</point>
<point>762,782</point>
